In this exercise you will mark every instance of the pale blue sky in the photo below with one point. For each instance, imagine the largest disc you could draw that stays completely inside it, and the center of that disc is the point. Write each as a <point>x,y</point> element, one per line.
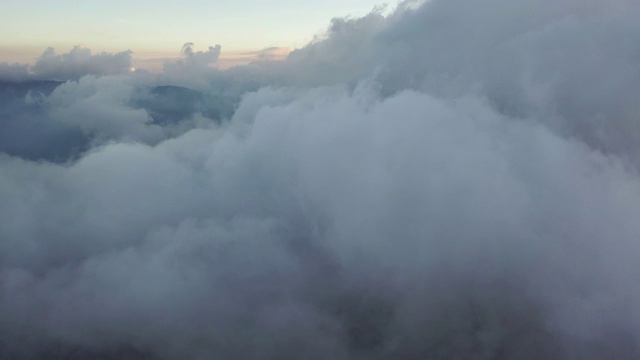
<point>154,28</point>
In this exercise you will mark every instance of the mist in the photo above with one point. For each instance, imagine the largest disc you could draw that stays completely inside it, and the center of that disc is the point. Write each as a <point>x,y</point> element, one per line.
<point>451,179</point>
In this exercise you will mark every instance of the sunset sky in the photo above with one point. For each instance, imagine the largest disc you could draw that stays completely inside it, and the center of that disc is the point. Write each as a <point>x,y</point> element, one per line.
<point>159,29</point>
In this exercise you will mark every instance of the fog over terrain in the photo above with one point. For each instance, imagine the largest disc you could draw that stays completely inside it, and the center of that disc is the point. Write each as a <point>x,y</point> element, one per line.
<point>454,179</point>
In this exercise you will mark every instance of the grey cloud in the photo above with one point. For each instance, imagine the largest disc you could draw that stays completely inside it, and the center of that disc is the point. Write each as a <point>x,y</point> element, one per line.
<point>27,128</point>
<point>194,60</point>
<point>308,226</point>
<point>455,180</point>
<point>80,61</point>
<point>55,121</point>
<point>13,72</point>
<point>99,106</point>
<point>541,59</point>
<point>200,58</point>
<point>271,53</point>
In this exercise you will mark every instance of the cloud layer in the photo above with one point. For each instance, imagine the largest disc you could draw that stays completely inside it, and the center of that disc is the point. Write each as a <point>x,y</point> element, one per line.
<point>80,62</point>
<point>455,180</point>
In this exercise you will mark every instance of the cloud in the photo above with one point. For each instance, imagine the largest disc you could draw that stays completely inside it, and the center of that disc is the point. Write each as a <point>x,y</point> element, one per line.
<point>13,72</point>
<point>310,220</point>
<point>80,62</point>
<point>271,53</point>
<point>99,106</point>
<point>456,179</point>
<point>523,63</point>
<point>56,121</point>
<point>194,60</point>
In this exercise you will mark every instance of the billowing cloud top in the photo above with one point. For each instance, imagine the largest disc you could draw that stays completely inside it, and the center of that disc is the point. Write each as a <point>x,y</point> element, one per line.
<point>455,180</point>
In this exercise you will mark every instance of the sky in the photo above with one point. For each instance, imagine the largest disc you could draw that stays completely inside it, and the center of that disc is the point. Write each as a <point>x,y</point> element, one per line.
<point>450,179</point>
<point>159,28</point>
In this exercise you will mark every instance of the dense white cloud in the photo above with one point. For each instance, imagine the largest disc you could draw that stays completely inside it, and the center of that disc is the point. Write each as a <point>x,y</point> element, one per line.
<point>100,106</point>
<point>457,179</point>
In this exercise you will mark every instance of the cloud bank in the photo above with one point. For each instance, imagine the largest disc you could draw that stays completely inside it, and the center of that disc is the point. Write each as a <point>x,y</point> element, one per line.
<point>455,180</point>
<point>80,62</point>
